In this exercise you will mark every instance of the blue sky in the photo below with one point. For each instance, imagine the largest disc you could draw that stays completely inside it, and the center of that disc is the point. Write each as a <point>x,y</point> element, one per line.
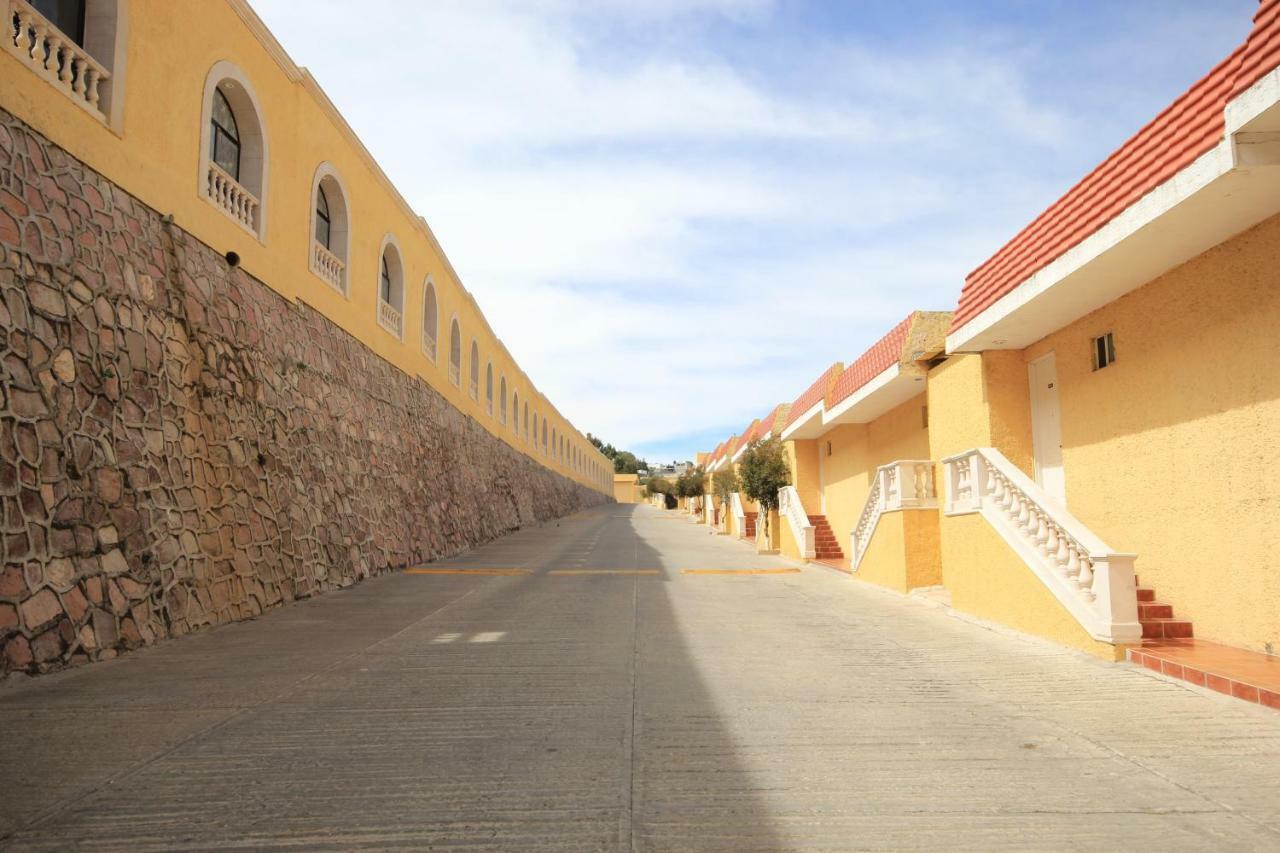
<point>677,214</point>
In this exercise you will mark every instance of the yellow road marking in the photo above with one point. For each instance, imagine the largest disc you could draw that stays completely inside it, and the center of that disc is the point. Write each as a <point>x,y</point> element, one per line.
<point>467,572</point>
<point>739,571</point>
<point>605,572</point>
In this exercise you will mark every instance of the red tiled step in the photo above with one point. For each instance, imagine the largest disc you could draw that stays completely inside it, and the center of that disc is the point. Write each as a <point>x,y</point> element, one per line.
<point>1154,610</point>
<point>826,546</point>
<point>1251,676</point>
<point>1146,594</point>
<point>1165,629</point>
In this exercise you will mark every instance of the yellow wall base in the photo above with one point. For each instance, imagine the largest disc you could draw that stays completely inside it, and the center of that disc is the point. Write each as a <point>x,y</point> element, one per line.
<point>988,580</point>
<point>905,552</point>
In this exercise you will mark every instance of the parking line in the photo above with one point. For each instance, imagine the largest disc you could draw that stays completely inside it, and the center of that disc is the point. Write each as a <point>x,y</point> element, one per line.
<point>739,571</point>
<point>467,572</point>
<point>605,572</point>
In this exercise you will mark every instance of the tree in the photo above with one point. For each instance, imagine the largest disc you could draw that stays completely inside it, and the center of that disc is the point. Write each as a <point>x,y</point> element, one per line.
<point>763,471</point>
<point>692,483</point>
<point>724,484</point>
<point>625,463</point>
<point>659,486</point>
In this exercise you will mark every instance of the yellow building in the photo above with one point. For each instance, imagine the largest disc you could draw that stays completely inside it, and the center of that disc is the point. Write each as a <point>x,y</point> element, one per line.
<point>1099,409</point>
<point>627,489</point>
<point>862,497</point>
<point>243,150</point>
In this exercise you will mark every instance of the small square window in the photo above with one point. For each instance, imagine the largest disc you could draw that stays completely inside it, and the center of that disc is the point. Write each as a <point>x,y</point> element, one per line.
<point>1104,351</point>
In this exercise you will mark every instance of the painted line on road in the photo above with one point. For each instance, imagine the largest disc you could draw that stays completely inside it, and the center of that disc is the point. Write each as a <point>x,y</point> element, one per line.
<point>605,572</point>
<point>739,571</point>
<point>467,572</point>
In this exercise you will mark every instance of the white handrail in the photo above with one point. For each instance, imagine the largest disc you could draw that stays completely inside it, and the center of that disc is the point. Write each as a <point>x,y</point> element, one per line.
<point>327,265</point>
<point>229,194</point>
<point>789,505</point>
<point>902,484</point>
<point>1094,582</point>
<point>389,317</point>
<point>54,55</point>
<point>739,514</point>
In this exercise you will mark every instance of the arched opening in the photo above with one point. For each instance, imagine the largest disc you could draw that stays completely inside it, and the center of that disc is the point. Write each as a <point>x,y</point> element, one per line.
<point>526,421</point>
<point>488,389</point>
<point>430,319</point>
<point>455,352</point>
<point>544,436</point>
<point>391,288</point>
<point>475,370</point>
<point>502,400</point>
<point>233,162</point>
<point>330,228</point>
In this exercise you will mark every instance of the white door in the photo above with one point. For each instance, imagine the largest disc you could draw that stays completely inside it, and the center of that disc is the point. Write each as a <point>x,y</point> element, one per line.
<point>822,477</point>
<point>1046,426</point>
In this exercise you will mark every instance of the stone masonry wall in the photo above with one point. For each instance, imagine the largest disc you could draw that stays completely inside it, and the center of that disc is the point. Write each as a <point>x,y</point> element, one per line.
<point>181,447</point>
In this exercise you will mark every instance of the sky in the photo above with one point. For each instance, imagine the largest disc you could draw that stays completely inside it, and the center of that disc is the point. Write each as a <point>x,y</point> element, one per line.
<point>678,213</point>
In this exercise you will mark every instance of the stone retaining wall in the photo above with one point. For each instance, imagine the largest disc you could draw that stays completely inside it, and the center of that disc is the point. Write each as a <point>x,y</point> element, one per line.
<point>181,447</point>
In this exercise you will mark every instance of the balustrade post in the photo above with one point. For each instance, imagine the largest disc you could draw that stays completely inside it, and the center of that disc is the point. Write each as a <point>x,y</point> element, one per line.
<point>1115,596</point>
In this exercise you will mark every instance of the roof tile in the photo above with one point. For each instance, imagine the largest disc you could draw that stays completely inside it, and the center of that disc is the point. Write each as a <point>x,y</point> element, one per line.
<point>883,354</point>
<point>1192,125</point>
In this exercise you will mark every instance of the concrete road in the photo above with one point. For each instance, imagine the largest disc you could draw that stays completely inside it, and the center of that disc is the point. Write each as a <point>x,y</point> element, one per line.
<point>543,700</point>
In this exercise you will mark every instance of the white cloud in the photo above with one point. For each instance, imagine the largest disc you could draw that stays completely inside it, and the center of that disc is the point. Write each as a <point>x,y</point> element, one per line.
<point>657,230</point>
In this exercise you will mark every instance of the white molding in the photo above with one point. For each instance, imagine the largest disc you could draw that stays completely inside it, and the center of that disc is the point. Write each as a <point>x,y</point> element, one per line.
<point>814,411</point>
<point>1259,98</point>
<point>429,287</point>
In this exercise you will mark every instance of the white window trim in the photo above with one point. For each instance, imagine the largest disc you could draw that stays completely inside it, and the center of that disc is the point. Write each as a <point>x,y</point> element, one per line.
<point>389,241</point>
<point>327,170</point>
<point>432,353</point>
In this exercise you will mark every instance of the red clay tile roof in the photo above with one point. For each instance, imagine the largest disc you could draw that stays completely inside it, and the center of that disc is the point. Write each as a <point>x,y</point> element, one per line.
<point>1190,126</point>
<point>883,354</point>
<point>814,393</point>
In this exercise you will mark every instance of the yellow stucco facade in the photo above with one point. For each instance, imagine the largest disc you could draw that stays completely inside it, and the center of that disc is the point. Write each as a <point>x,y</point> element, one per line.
<point>164,72</point>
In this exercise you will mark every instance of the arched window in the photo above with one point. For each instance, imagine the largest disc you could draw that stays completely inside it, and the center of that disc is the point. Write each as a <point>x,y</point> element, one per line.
<point>555,442</point>
<point>391,288</point>
<point>233,162</point>
<point>475,370</point>
<point>526,421</point>
<point>544,436</point>
<point>502,397</point>
<point>455,353</point>
<point>329,228</point>
<point>488,389</point>
<point>430,319</point>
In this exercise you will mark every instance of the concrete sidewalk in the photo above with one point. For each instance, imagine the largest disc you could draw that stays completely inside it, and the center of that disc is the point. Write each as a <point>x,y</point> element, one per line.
<point>594,696</point>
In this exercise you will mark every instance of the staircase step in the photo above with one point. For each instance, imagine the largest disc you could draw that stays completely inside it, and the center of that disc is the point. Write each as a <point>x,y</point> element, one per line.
<point>1154,611</point>
<point>1165,629</point>
<point>1146,594</point>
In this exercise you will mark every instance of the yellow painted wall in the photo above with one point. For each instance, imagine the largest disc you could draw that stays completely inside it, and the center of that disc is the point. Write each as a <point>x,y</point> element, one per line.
<point>988,580</point>
<point>904,553</point>
<point>802,459</point>
<point>1171,452</point>
<point>626,489</point>
<point>856,451</point>
<point>170,49</point>
<point>981,400</point>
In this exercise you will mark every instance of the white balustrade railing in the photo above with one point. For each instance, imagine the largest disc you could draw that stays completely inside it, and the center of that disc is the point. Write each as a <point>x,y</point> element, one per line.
<point>327,265</point>
<point>904,484</point>
<point>389,317</point>
<point>1094,582</point>
<point>454,373</point>
<point>739,514</point>
<point>790,507</point>
<point>54,55</point>
<point>228,194</point>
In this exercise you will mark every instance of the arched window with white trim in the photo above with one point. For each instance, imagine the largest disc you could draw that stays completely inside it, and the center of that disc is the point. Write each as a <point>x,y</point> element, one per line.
<point>502,397</point>
<point>233,149</point>
<point>526,421</point>
<point>330,227</point>
<point>475,370</point>
<point>430,319</point>
<point>544,436</point>
<point>455,352</point>
<point>488,389</point>
<point>391,287</point>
